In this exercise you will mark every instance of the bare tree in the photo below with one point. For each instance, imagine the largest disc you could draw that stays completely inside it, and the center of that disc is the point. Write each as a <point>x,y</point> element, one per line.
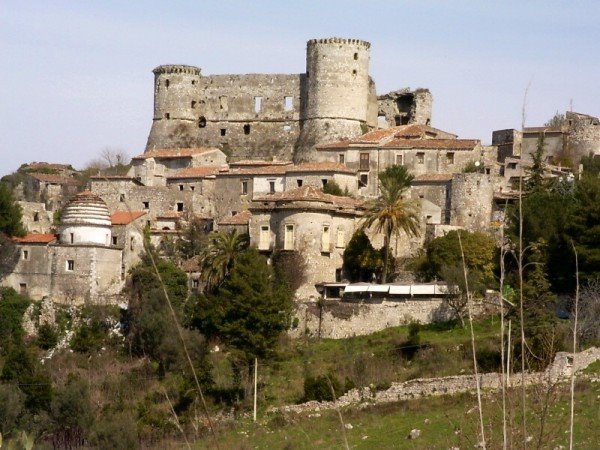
<point>588,328</point>
<point>114,157</point>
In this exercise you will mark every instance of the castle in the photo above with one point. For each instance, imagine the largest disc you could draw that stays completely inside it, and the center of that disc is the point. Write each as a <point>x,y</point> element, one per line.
<point>279,116</point>
<point>253,153</point>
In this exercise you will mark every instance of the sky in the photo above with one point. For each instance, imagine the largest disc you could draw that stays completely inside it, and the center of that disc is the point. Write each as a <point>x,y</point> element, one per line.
<point>78,79</point>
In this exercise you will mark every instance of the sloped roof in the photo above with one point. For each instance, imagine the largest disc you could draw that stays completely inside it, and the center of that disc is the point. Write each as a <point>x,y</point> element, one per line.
<point>197,172</point>
<point>308,194</point>
<point>258,162</point>
<point>432,144</point>
<point>35,238</point>
<point>176,152</point>
<point>325,166</point>
<point>125,217</point>
<point>434,177</point>
<point>241,218</point>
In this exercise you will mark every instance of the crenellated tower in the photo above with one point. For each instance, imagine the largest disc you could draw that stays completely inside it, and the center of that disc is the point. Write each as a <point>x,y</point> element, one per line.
<point>338,92</point>
<point>176,107</point>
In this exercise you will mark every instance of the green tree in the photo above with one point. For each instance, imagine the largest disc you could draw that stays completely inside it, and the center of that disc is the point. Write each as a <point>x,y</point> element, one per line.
<point>391,213</point>
<point>536,172</point>
<point>479,250</point>
<point>10,213</point>
<point>361,260</point>
<point>72,410</point>
<point>12,406</point>
<point>12,308</point>
<point>557,121</point>
<point>332,188</point>
<point>194,239</point>
<point>250,310</point>
<point>217,260</point>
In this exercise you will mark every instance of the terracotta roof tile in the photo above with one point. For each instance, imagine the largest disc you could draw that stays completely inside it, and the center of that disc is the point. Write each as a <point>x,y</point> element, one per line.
<point>125,217</point>
<point>258,162</point>
<point>433,144</point>
<point>35,238</point>
<point>191,265</point>
<point>241,218</point>
<point>320,167</point>
<point>45,165</point>
<point>198,172</point>
<point>264,170</point>
<point>308,194</point>
<point>169,215</point>
<point>175,152</point>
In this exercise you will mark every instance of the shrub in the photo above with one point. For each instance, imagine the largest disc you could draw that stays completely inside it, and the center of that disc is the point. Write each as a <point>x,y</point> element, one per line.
<point>12,404</point>
<point>12,308</point>
<point>320,388</point>
<point>88,338</point>
<point>117,431</point>
<point>47,337</point>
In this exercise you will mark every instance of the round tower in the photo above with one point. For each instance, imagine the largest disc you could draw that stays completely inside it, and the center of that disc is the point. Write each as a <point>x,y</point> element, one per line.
<point>337,93</point>
<point>176,107</point>
<point>85,220</point>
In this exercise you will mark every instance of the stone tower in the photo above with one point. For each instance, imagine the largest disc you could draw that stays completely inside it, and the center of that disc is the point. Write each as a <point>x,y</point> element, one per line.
<point>176,107</point>
<point>338,93</point>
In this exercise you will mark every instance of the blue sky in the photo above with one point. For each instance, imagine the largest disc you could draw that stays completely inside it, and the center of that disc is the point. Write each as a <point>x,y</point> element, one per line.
<point>76,75</point>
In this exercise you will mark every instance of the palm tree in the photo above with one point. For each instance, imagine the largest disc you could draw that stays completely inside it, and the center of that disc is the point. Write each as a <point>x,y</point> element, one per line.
<point>219,257</point>
<point>391,213</point>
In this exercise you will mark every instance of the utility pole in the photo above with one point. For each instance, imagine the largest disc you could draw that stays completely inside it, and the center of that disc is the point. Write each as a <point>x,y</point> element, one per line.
<point>255,385</point>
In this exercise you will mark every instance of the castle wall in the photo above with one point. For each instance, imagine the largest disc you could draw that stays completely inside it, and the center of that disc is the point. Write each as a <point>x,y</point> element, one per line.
<point>404,107</point>
<point>584,135</point>
<point>35,217</point>
<point>472,198</point>
<point>31,274</point>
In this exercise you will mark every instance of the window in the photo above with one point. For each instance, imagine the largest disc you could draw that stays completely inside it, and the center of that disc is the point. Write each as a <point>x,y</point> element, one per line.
<point>450,158</point>
<point>341,158</point>
<point>399,160</point>
<point>264,239</point>
<point>420,157</point>
<point>179,206</point>
<point>244,187</point>
<point>325,239</point>
<point>257,104</point>
<point>36,217</point>
<point>167,82</point>
<point>340,241</point>
<point>192,188</point>
<point>272,187</point>
<point>288,103</point>
<point>146,205</point>
<point>363,180</point>
<point>354,72</point>
<point>324,182</point>
<point>247,129</point>
<point>25,255</point>
<point>299,183</point>
<point>195,284</point>
<point>115,240</point>
<point>167,115</point>
<point>70,265</point>
<point>512,165</point>
<point>355,56</point>
<point>131,242</point>
<point>193,104</point>
<point>223,131</point>
<point>181,187</point>
<point>364,161</point>
<point>71,238</point>
<point>288,239</point>
<point>121,197</point>
<point>23,288</point>
<point>201,122</point>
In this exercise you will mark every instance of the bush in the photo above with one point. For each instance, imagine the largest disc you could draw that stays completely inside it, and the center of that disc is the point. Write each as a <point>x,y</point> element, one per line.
<point>12,308</point>
<point>12,405</point>
<point>88,338</point>
<point>117,431</point>
<point>320,388</point>
<point>47,337</point>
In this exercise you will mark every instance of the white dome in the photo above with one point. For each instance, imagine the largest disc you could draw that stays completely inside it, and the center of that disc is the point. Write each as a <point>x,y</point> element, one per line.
<point>85,220</point>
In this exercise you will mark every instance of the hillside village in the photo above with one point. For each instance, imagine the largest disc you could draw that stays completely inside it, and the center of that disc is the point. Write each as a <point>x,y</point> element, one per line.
<point>294,163</point>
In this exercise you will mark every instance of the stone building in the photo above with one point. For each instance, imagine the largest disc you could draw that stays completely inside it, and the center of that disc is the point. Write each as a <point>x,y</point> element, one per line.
<point>315,225</point>
<point>278,116</point>
<point>86,262</point>
<point>420,148</point>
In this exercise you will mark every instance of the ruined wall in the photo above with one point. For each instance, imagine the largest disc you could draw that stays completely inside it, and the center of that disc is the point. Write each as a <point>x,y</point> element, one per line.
<point>404,107</point>
<point>35,217</point>
<point>584,135</point>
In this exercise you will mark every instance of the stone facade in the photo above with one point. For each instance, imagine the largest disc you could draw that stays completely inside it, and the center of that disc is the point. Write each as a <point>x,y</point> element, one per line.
<point>275,116</point>
<point>35,217</point>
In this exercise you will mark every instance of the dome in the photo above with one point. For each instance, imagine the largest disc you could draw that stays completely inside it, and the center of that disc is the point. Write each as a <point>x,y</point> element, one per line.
<point>85,220</point>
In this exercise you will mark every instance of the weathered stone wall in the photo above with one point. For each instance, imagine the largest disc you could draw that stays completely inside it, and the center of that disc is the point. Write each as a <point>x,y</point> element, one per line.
<point>321,263</point>
<point>472,199</point>
<point>340,320</point>
<point>584,135</point>
<point>35,217</point>
<point>404,106</point>
<point>31,274</point>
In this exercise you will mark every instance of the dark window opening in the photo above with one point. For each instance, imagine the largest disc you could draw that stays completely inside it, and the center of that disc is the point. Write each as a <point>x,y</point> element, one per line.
<point>223,131</point>
<point>146,205</point>
<point>487,170</point>
<point>354,72</point>
<point>341,158</point>
<point>299,183</point>
<point>131,242</point>
<point>167,82</point>
<point>25,255</point>
<point>72,238</point>
<point>167,115</point>
<point>201,122</point>
<point>121,197</point>
<point>450,157</point>
<point>324,182</point>
<point>181,187</point>
<point>420,158</point>
<point>114,240</point>
<point>193,103</point>
<point>271,187</point>
<point>70,265</point>
<point>247,129</point>
<point>23,288</point>
<point>193,82</point>
<point>244,187</point>
<point>180,206</point>
<point>355,56</point>
<point>192,188</point>
<point>363,181</point>
<point>36,217</point>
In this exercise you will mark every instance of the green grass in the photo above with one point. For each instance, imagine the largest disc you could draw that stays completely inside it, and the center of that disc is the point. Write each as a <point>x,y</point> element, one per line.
<point>444,422</point>
<point>376,359</point>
